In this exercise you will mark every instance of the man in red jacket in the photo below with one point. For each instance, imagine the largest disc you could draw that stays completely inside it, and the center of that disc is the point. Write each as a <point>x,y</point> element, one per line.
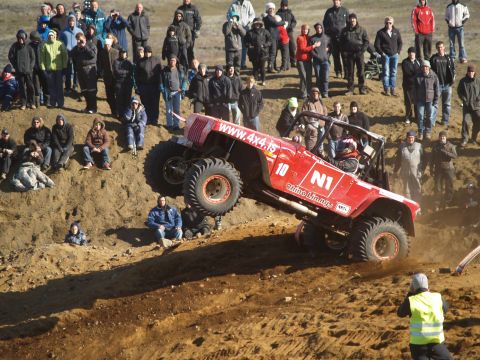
<point>423,23</point>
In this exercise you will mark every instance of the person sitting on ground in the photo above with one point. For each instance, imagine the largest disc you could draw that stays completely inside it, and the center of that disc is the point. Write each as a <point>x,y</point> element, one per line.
<point>194,223</point>
<point>287,117</point>
<point>42,135</point>
<point>251,104</point>
<point>166,221</point>
<point>75,235</point>
<point>135,119</point>
<point>29,176</point>
<point>8,150</point>
<point>62,142</point>
<point>97,141</point>
<point>8,88</point>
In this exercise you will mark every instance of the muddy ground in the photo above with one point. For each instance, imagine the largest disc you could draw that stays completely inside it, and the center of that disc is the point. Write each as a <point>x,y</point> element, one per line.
<point>245,292</point>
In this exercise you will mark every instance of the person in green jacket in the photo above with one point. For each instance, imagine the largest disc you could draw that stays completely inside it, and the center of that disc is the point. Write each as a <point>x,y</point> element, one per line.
<point>53,62</point>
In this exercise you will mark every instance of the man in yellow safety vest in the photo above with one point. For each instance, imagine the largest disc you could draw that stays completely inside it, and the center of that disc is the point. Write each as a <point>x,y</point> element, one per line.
<point>426,310</point>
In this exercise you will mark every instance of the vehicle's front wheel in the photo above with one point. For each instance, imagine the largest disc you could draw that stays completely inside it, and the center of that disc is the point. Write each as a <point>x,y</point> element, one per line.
<point>212,186</point>
<point>379,239</point>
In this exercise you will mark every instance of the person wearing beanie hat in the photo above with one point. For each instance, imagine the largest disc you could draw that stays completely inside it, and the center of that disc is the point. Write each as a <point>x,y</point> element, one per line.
<point>251,104</point>
<point>198,90</point>
<point>84,55</point>
<point>469,93</point>
<point>304,60</point>
<point>135,120</point>
<point>258,41</point>
<point>68,37</point>
<point>194,21</point>
<point>360,119</point>
<point>246,13</point>
<point>444,67</point>
<point>287,16</point>
<point>116,25</point>
<point>314,128</point>
<point>388,43</point>
<point>233,32</point>
<point>123,74</point>
<point>426,93</point>
<point>410,68</point>
<point>8,150</point>
<point>170,43</point>
<point>410,162</point>
<point>53,61</point>
<point>97,142</point>
<point>22,57</point>
<point>443,170</point>
<point>426,311</point>
<point>354,40</point>
<point>287,117</point>
<point>334,20</point>
<point>42,27</point>
<point>139,28</point>
<point>38,77</point>
<point>62,142</point>
<point>456,15</point>
<point>106,57</point>
<point>184,34</point>
<point>320,58</point>
<point>271,25</point>
<point>173,84</point>
<point>220,92</point>
<point>236,88</point>
<point>75,235</point>
<point>423,22</point>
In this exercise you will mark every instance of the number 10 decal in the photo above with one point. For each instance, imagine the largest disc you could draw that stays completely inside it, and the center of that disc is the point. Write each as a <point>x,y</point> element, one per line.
<point>282,169</point>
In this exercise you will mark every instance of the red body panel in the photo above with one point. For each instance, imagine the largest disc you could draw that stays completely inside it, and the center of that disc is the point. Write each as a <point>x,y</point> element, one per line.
<point>294,170</point>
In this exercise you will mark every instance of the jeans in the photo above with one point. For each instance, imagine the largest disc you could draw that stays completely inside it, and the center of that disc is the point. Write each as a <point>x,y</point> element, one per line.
<point>253,123</point>
<point>173,106</point>
<point>172,233</point>
<point>61,157</point>
<point>459,33</point>
<point>55,87</point>
<point>305,72</point>
<point>88,155</point>
<point>243,60</point>
<point>5,163</point>
<point>135,135</point>
<point>332,148</point>
<point>321,69</point>
<point>233,108</point>
<point>389,74</point>
<point>446,93</point>
<point>424,117</point>
<point>71,77</point>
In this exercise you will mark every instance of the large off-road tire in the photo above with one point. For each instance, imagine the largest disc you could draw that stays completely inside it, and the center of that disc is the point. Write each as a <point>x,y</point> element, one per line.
<point>318,239</point>
<point>379,239</point>
<point>212,186</point>
<point>165,168</point>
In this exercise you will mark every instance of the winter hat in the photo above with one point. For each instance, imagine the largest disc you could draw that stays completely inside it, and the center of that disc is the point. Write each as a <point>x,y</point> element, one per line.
<point>71,16</point>
<point>35,36</point>
<point>60,116</point>
<point>233,14</point>
<point>148,48</point>
<point>471,68</point>
<point>134,99</point>
<point>43,19</point>
<point>21,34</point>
<point>442,133</point>
<point>4,131</point>
<point>352,16</point>
<point>411,133</point>
<point>258,21</point>
<point>179,12</point>
<point>172,56</point>
<point>52,31</point>
<point>293,102</point>
<point>8,68</point>
<point>315,89</point>
<point>353,104</point>
<point>269,5</point>
<point>122,51</point>
<point>426,63</point>
<point>411,49</point>
<point>219,67</point>
<point>283,2</point>
<point>419,281</point>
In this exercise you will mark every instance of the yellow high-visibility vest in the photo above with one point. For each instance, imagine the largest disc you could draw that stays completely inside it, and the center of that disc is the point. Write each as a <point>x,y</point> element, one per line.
<point>426,322</point>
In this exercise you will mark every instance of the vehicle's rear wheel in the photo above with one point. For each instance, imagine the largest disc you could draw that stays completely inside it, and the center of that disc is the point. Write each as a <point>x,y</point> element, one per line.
<point>379,239</point>
<point>322,240</point>
<point>212,186</point>
<point>165,168</point>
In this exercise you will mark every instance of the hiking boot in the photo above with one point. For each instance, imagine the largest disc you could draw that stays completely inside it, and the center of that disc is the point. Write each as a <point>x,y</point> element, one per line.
<point>188,234</point>
<point>363,91</point>
<point>420,137</point>
<point>392,92</point>
<point>23,107</point>
<point>45,168</point>
<point>428,136</point>
<point>87,166</point>
<point>385,92</point>
<point>130,147</point>
<point>107,166</point>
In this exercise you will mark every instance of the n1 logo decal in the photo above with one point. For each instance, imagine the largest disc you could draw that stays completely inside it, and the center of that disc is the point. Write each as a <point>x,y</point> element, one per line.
<point>321,180</point>
<point>282,169</point>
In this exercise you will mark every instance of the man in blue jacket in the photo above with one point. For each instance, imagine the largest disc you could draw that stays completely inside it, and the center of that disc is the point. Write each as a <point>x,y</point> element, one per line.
<point>96,16</point>
<point>166,221</point>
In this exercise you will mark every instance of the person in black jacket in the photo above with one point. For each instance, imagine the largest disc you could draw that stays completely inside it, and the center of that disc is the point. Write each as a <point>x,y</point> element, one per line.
<point>287,117</point>
<point>354,40</point>
<point>147,77</point>
<point>8,150</point>
<point>184,35</point>
<point>320,58</point>
<point>38,77</point>
<point>388,43</point>
<point>271,26</point>
<point>107,57</point>
<point>444,67</point>
<point>62,142</point>
<point>410,67</point>
<point>220,92</point>
<point>139,28</point>
<point>123,75</point>
<point>60,20</point>
<point>287,16</point>
<point>236,86</point>
<point>250,104</point>
<point>170,44</point>
<point>258,42</point>
<point>194,223</point>
<point>359,119</point>
<point>334,21</point>
<point>22,57</point>
<point>198,90</point>
<point>84,57</point>
<point>42,135</point>
<point>194,21</point>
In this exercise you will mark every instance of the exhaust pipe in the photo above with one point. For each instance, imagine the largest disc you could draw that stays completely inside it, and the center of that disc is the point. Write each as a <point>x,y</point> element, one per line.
<point>295,206</point>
